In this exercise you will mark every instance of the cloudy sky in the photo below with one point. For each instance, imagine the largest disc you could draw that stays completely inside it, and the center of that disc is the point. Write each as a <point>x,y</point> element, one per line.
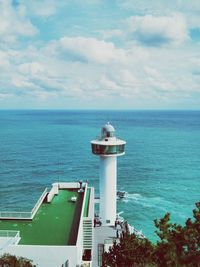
<point>84,54</point>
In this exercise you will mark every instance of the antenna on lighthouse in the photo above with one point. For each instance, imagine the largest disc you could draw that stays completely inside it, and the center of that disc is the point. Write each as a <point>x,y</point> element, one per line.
<point>108,148</point>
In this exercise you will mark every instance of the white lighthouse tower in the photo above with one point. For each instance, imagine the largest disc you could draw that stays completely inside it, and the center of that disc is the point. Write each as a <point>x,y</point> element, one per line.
<point>108,147</point>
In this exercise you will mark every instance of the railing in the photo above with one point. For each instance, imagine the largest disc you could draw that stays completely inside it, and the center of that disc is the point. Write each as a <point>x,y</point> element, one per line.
<point>9,233</point>
<point>11,238</point>
<point>133,230</point>
<point>23,214</point>
<point>37,205</point>
<point>15,214</point>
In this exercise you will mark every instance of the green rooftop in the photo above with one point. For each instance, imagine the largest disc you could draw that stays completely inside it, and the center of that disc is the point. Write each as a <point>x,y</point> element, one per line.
<point>55,223</point>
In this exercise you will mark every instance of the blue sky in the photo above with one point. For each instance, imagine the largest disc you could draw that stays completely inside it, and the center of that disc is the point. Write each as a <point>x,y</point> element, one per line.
<point>91,54</point>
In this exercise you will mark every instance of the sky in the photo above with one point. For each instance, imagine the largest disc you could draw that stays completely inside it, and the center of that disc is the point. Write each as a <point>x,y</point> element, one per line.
<point>99,54</point>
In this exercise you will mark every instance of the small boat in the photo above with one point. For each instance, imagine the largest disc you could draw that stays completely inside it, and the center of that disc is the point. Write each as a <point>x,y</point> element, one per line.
<point>121,194</point>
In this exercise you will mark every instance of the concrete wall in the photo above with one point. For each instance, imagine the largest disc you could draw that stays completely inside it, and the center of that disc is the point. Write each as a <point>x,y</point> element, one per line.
<point>56,186</point>
<point>67,185</point>
<point>79,242</point>
<point>46,256</point>
<point>53,192</point>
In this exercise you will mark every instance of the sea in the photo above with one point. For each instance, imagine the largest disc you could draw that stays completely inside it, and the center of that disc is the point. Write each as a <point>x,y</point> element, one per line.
<point>160,170</point>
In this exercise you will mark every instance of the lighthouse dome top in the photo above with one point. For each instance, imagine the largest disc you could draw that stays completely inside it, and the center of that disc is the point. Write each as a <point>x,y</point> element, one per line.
<point>107,130</point>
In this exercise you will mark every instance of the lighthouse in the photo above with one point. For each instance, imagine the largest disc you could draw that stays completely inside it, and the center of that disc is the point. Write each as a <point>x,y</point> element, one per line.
<point>108,147</point>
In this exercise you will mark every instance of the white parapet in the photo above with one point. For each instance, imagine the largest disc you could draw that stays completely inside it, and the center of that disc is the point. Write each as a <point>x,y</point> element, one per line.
<point>54,191</point>
<point>108,180</point>
<point>62,185</point>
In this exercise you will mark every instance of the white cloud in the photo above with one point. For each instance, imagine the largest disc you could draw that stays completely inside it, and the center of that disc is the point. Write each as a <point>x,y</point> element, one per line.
<point>32,68</point>
<point>14,22</point>
<point>158,30</point>
<point>147,74</point>
<point>4,96</point>
<point>158,7</point>
<point>4,61</point>
<point>22,82</point>
<point>157,81</point>
<point>87,68</point>
<point>110,85</point>
<point>190,9</point>
<point>91,50</point>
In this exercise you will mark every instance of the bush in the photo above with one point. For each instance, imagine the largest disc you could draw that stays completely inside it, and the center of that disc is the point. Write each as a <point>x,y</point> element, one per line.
<point>8,260</point>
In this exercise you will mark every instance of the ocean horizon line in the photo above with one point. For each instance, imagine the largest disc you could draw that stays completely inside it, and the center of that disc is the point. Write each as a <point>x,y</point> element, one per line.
<point>97,109</point>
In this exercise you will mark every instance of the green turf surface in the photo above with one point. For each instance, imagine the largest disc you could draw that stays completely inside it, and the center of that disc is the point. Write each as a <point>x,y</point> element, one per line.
<point>55,223</point>
<point>86,206</point>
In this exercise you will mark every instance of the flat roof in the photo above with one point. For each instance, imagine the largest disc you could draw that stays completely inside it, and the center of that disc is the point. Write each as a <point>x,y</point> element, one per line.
<point>55,223</point>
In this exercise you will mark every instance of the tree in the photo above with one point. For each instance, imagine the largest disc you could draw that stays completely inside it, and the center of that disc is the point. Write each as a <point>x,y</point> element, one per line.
<point>131,251</point>
<point>178,246</point>
<point>8,260</point>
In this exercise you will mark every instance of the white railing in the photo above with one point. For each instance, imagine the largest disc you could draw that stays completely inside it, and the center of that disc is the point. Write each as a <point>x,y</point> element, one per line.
<point>39,202</point>
<point>10,237</point>
<point>9,233</point>
<point>15,214</point>
<point>23,214</point>
<point>133,230</point>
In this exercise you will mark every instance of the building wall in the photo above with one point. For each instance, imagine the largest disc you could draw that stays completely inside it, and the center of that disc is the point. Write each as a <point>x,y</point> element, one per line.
<point>79,242</point>
<point>46,256</point>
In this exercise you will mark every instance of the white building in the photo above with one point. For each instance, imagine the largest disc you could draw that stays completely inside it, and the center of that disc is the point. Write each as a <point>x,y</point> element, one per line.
<point>57,232</point>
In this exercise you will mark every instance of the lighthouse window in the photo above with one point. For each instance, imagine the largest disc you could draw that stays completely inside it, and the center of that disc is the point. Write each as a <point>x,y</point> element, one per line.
<point>112,134</point>
<point>112,149</point>
<point>102,149</point>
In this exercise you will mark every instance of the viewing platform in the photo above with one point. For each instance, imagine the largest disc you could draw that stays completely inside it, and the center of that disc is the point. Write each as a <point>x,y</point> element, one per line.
<point>55,222</point>
<point>57,232</point>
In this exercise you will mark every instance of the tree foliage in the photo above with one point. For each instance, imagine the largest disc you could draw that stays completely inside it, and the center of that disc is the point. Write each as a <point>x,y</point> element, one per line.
<point>178,246</point>
<point>8,260</point>
<point>131,251</point>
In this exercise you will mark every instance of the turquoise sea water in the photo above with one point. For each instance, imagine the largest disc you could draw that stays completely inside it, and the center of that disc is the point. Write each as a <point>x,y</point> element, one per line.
<point>160,170</point>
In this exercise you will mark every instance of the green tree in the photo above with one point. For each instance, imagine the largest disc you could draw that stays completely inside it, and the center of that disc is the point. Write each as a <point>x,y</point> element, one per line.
<point>178,246</point>
<point>8,260</point>
<point>131,251</point>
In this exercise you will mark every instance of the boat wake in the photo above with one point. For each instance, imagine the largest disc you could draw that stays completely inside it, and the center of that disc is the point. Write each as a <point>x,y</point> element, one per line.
<point>144,201</point>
